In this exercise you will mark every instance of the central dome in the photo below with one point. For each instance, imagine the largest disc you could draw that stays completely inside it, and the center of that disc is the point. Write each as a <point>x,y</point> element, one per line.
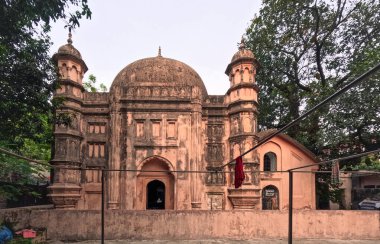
<point>158,71</point>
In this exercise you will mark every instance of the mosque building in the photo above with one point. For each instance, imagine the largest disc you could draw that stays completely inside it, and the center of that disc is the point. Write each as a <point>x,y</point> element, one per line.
<point>159,123</point>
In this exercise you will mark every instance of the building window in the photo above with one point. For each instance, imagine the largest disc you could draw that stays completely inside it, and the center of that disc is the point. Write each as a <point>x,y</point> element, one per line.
<point>270,199</point>
<point>270,162</point>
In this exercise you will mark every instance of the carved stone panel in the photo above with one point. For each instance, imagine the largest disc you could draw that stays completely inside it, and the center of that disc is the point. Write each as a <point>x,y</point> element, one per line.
<point>215,178</point>
<point>236,151</point>
<point>73,149</point>
<point>251,173</point>
<point>235,125</point>
<point>215,152</point>
<point>157,91</point>
<point>60,148</point>
<point>215,131</point>
<point>215,200</point>
<point>74,124</point>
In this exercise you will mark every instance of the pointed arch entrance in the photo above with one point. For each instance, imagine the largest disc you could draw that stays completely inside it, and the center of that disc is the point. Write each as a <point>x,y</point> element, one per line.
<point>155,189</point>
<point>155,195</point>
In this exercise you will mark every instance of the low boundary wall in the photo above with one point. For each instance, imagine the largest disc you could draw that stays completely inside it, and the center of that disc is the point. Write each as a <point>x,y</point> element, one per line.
<point>181,225</point>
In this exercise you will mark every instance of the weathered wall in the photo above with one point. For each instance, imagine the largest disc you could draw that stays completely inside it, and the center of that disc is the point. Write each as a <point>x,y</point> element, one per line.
<point>124,224</point>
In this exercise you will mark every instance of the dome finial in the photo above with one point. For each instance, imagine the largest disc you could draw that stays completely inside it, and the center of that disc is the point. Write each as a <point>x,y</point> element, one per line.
<point>70,41</point>
<point>242,43</point>
<point>159,51</point>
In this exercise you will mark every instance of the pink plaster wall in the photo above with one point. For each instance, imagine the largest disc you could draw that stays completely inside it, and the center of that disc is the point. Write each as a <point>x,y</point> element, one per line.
<point>195,224</point>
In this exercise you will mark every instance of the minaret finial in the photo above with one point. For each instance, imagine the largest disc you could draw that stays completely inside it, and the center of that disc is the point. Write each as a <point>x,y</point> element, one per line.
<point>242,43</point>
<point>70,41</point>
<point>159,51</point>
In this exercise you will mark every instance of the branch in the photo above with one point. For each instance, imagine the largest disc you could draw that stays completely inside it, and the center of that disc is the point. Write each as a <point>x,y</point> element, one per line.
<point>318,46</point>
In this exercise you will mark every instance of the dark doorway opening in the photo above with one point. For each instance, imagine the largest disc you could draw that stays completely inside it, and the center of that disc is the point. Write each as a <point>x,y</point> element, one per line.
<point>155,191</point>
<point>270,198</point>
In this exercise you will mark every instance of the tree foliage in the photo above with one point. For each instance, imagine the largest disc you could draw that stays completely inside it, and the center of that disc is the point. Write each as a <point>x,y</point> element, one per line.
<point>26,71</point>
<point>91,85</point>
<point>27,78</point>
<point>308,50</point>
<point>370,163</point>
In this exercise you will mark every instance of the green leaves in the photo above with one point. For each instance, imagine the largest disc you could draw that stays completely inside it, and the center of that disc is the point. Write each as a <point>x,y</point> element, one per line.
<point>307,51</point>
<point>91,84</point>
<point>27,78</point>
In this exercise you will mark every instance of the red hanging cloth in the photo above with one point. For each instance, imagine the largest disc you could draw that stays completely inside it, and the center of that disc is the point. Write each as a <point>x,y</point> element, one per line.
<point>239,172</point>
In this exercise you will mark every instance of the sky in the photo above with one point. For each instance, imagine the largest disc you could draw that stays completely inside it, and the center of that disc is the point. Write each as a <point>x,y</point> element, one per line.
<point>201,33</point>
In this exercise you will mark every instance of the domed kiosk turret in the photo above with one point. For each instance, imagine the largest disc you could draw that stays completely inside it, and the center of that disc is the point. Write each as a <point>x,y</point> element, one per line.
<point>68,132</point>
<point>242,106</point>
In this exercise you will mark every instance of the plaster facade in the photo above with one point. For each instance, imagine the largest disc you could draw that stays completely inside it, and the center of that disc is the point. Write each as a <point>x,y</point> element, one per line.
<point>158,117</point>
<point>198,225</point>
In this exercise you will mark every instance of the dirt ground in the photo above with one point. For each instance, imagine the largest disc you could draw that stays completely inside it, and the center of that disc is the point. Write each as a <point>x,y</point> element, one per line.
<point>225,241</point>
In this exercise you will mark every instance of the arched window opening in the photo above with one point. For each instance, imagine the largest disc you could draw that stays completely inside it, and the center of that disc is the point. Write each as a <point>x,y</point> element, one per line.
<point>237,77</point>
<point>270,162</point>
<point>64,71</point>
<point>246,75</point>
<point>74,73</point>
<point>270,198</point>
<point>155,191</point>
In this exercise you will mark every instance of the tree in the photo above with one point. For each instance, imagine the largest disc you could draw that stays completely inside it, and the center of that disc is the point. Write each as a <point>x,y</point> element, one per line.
<point>27,77</point>
<point>370,163</point>
<point>308,50</point>
<point>90,85</point>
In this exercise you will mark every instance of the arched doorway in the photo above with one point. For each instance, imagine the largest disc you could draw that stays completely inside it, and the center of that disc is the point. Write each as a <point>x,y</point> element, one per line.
<point>155,184</point>
<point>270,198</point>
<point>155,195</point>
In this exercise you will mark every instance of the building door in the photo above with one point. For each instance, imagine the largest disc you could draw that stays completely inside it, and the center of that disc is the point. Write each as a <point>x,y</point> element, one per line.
<point>155,198</point>
<point>270,198</point>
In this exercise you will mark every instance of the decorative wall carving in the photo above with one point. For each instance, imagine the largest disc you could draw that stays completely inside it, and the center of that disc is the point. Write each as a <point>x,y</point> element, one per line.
<point>160,91</point>
<point>60,148</point>
<point>215,152</point>
<point>235,125</point>
<point>251,172</point>
<point>235,150</point>
<point>74,123</point>
<point>74,149</point>
<point>215,131</point>
<point>215,200</point>
<point>95,96</point>
<point>215,177</point>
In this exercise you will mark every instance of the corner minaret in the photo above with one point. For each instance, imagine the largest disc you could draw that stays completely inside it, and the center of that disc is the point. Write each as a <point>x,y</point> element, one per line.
<point>68,134</point>
<point>241,98</point>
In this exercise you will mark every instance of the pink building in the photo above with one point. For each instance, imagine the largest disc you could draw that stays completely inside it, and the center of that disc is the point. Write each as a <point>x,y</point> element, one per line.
<point>158,116</point>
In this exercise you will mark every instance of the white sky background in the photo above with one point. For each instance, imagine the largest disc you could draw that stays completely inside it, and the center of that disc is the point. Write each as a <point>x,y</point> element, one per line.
<point>201,33</point>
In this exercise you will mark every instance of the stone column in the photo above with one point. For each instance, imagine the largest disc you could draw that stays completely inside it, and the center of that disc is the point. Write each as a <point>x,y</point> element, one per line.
<point>196,124</point>
<point>113,181</point>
